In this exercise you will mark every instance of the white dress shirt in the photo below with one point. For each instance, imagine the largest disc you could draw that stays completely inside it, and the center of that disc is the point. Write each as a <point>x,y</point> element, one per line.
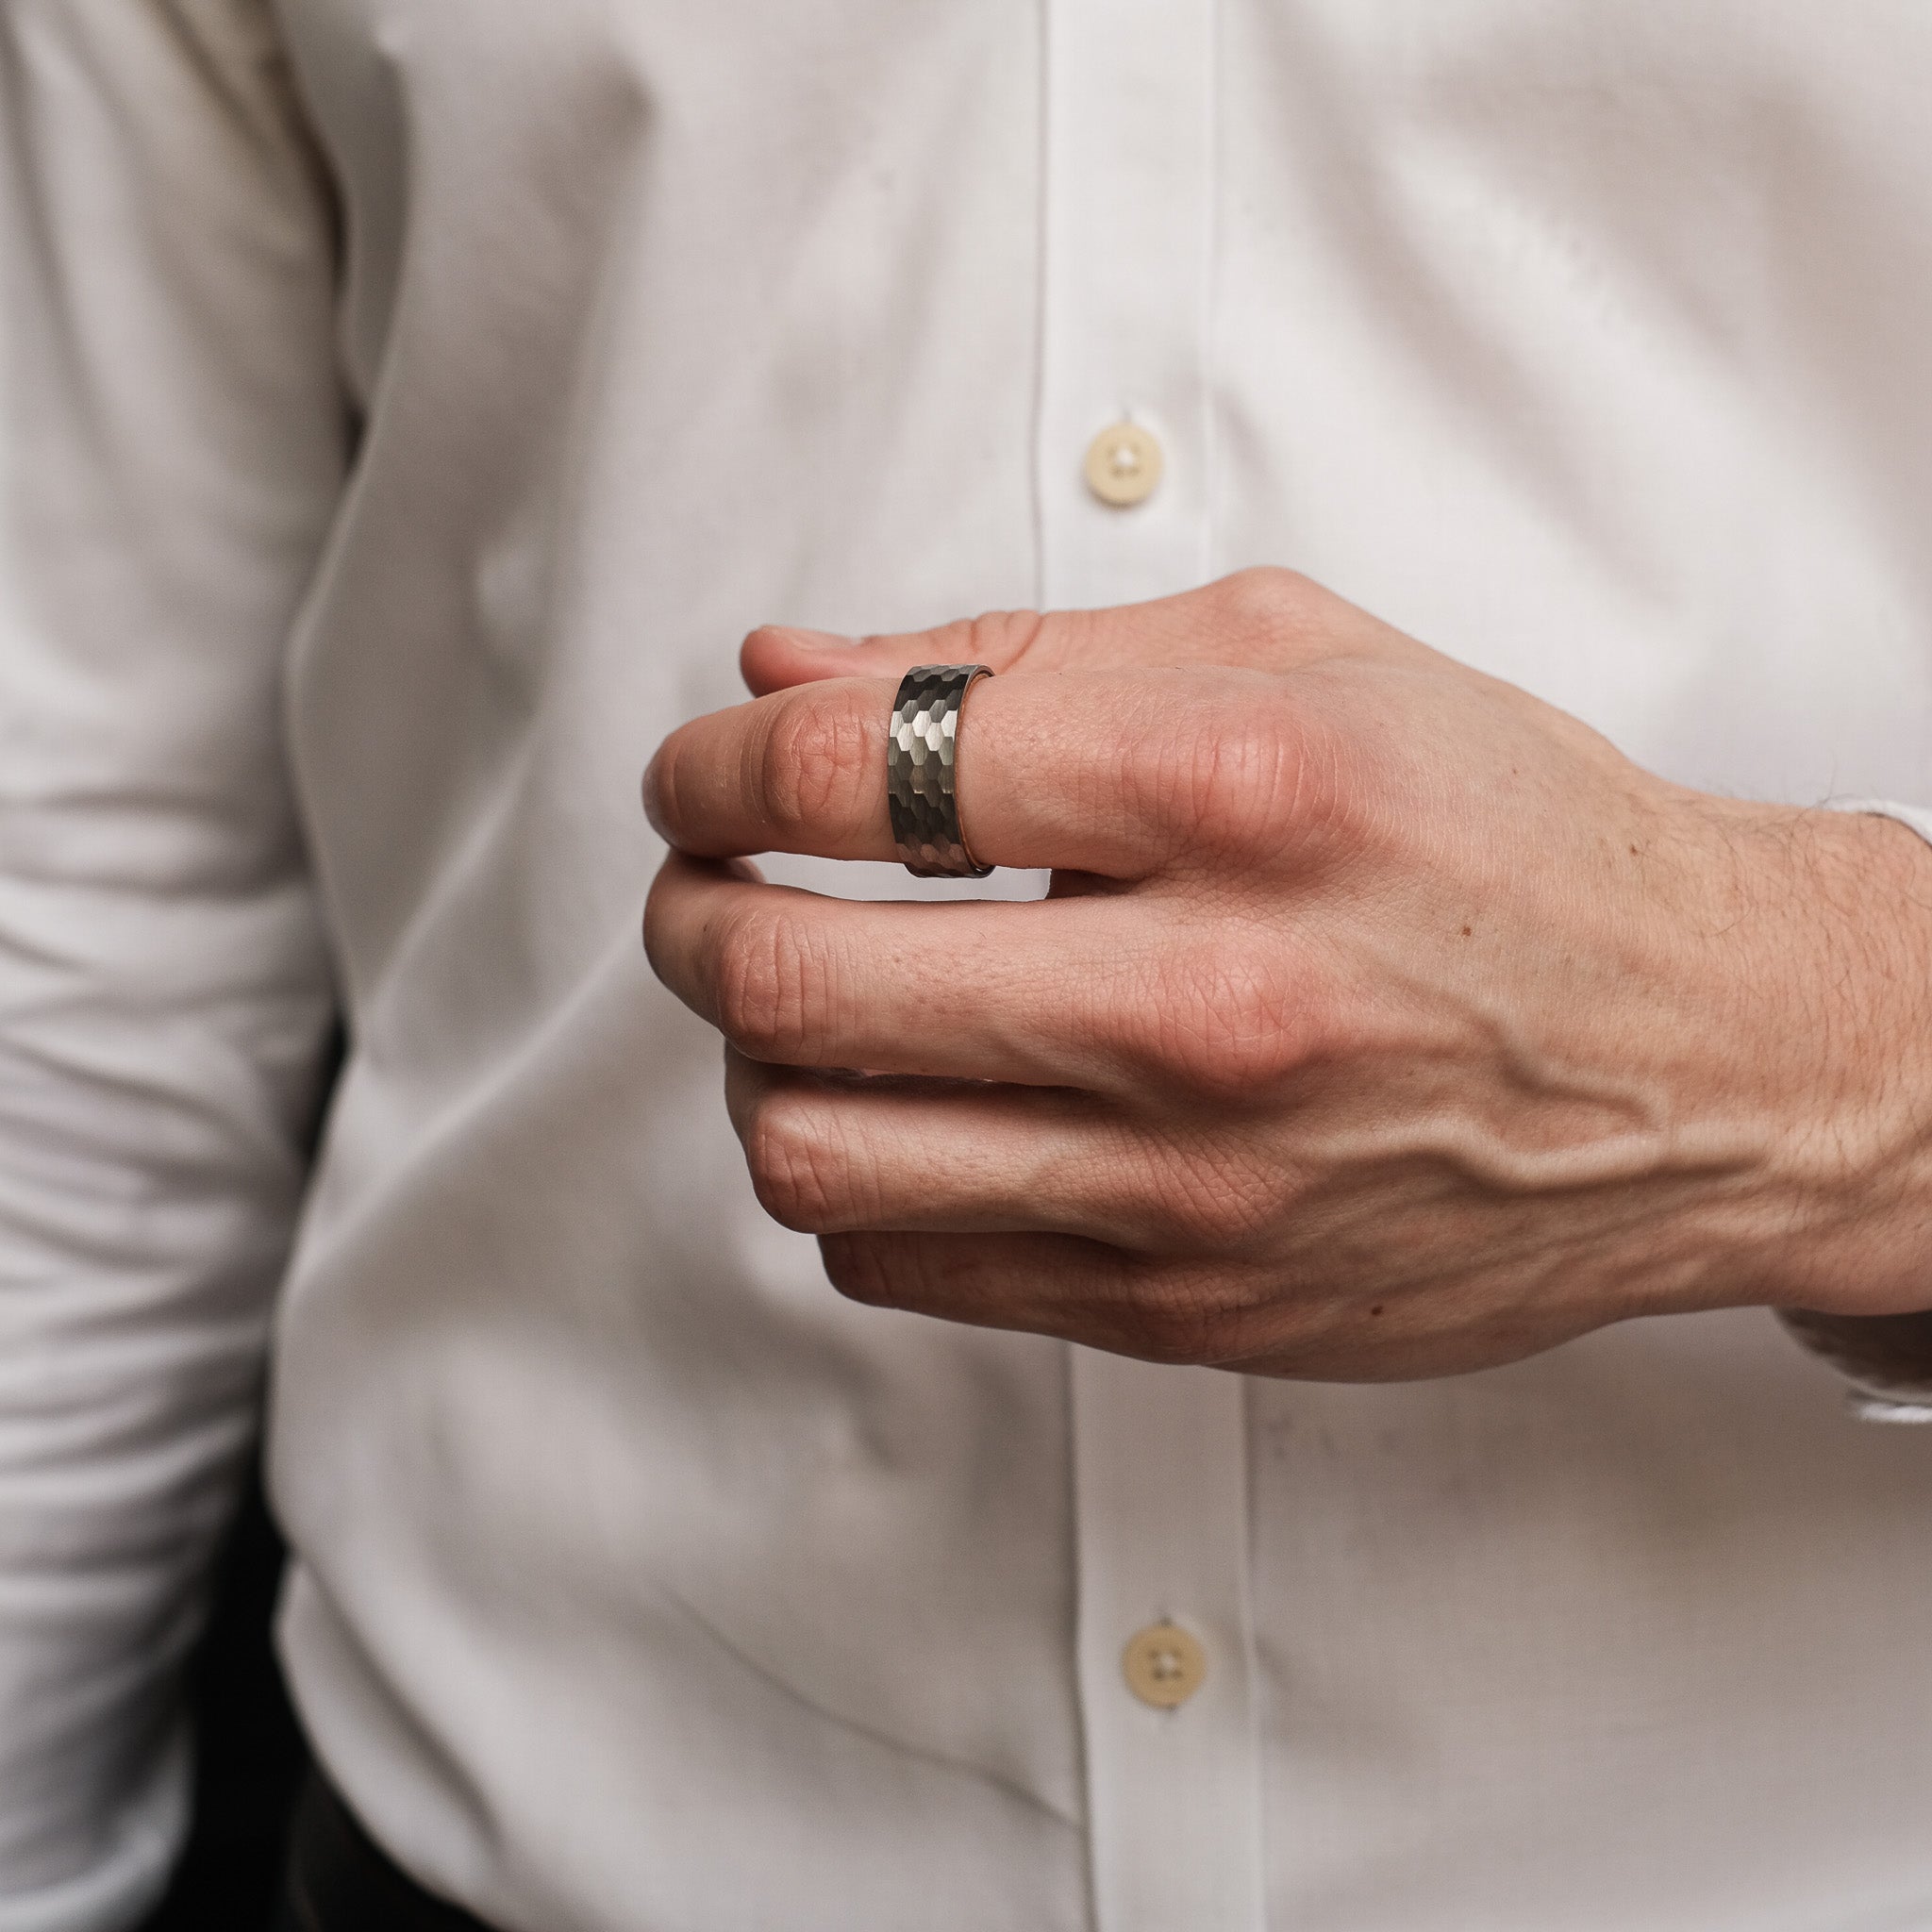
<point>411,405</point>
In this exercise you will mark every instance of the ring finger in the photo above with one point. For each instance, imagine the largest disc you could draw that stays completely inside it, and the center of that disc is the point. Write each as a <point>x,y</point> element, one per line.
<point>833,1153</point>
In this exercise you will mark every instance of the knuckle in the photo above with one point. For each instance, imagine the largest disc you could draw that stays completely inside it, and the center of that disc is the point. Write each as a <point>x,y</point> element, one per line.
<point>768,987</point>
<point>1265,601</point>
<point>796,1168</point>
<point>811,763</point>
<point>1228,1021</point>
<point>662,787</point>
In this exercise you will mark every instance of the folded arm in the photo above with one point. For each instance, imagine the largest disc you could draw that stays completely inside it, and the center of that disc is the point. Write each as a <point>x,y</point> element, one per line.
<point>173,441</point>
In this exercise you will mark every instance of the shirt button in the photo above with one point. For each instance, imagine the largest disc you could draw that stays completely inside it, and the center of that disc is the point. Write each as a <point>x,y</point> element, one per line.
<point>1123,465</point>
<point>1164,1665</point>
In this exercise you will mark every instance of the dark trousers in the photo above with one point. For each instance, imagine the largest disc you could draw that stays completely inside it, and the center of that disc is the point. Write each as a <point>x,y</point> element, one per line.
<point>339,1880</point>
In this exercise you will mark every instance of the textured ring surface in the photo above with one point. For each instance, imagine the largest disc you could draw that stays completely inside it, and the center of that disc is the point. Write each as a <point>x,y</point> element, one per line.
<point>921,750</point>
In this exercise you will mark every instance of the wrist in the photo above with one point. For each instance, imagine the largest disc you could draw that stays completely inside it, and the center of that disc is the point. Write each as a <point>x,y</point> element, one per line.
<point>1838,910</point>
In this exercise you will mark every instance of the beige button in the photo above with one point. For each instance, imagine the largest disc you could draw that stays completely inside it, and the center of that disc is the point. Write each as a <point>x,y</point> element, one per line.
<point>1123,465</point>
<point>1164,1665</point>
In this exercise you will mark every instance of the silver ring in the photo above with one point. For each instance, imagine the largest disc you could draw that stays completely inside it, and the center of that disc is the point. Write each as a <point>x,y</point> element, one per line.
<point>922,748</point>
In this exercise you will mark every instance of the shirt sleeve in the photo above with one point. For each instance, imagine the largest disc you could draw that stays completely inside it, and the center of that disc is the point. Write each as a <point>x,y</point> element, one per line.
<point>173,442</point>
<point>1887,1359</point>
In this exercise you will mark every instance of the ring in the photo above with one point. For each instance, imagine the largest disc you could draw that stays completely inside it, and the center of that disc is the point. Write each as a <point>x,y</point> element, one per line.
<point>922,749</point>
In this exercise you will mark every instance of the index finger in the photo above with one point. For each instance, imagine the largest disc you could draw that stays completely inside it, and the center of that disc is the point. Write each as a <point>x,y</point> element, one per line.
<point>1096,772</point>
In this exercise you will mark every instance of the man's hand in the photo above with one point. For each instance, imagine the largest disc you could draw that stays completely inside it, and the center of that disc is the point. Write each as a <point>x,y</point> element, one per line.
<point>1382,1021</point>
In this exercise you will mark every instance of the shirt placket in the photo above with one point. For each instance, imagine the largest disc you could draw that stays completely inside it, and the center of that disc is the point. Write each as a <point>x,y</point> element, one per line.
<point>1165,1636</point>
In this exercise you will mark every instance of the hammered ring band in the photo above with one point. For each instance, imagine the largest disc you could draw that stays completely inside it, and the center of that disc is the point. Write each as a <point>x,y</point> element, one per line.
<point>922,757</point>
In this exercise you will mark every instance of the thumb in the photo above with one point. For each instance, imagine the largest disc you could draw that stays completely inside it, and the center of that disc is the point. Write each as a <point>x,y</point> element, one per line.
<point>1257,620</point>
<point>776,656</point>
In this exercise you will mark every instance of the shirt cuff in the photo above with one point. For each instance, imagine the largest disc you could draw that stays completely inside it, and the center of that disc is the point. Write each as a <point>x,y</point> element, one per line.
<point>1886,1358</point>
